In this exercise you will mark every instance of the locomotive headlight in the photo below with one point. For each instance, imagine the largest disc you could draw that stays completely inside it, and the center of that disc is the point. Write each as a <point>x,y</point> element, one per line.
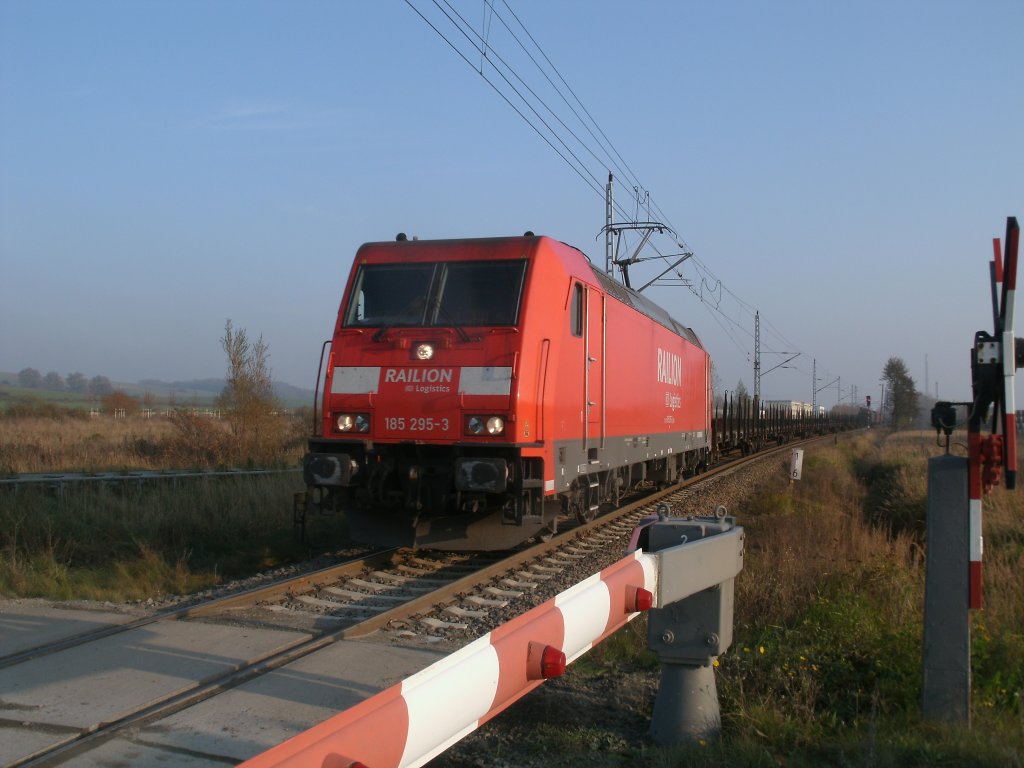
<point>491,425</point>
<point>424,351</point>
<point>352,422</point>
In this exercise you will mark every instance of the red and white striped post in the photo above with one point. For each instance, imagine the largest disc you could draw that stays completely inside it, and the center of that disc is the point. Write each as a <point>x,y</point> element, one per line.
<point>1009,291</point>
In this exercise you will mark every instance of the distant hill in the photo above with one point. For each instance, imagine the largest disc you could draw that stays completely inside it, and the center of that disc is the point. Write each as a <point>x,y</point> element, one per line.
<point>291,395</point>
<point>213,386</point>
<point>200,391</point>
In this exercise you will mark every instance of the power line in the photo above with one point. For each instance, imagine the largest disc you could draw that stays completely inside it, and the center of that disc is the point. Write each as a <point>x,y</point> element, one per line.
<point>590,182</point>
<point>557,134</point>
<point>462,26</point>
<point>482,46</point>
<point>630,175</point>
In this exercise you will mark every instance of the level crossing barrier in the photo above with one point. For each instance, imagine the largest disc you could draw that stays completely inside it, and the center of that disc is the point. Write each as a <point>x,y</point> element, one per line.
<point>411,722</point>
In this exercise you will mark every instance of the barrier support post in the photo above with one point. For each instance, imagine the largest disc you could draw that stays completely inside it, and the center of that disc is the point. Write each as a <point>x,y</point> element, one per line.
<point>689,630</point>
<point>946,680</point>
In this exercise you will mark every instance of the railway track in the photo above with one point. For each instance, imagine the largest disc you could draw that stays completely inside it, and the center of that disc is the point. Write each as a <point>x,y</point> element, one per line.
<point>425,599</point>
<point>61,480</point>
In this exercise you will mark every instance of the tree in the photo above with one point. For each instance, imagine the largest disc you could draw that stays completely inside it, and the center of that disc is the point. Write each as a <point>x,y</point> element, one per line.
<point>741,392</point>
<point>716,380</point>
<point>76,382</point>
<point>100,386</point>
<point>901,393</point>
<point>248,397</point>
<point>54,380</point>
<point>30,378</point>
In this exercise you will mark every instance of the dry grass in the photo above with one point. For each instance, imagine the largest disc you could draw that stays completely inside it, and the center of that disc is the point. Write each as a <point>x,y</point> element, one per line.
<point>182,440</point>
<point>125,542</point>
<point>825,666</point>
<point>66,444</point>
<point>1003,520</point>
<point>829,615</point>
<point>998,629</point>
<point>797,642</point>
<point>805,536</point>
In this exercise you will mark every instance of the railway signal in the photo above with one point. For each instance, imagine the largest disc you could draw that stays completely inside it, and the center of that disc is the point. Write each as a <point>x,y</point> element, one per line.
<point>994,361</point>
<point>953,577</point>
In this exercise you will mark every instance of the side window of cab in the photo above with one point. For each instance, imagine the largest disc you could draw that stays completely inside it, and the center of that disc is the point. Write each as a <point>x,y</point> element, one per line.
<point>576,310</point>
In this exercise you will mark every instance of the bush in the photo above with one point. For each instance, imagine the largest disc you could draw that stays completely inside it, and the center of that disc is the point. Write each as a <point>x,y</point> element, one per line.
<point>120,401</point>
<point>897,495</point>
<point>200,442</point>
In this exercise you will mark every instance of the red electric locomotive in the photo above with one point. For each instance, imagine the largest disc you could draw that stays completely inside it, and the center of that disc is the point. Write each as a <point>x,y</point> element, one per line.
<point>475,390</point>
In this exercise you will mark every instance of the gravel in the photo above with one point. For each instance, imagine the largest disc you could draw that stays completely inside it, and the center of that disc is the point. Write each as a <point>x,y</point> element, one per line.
<point>728,489</point>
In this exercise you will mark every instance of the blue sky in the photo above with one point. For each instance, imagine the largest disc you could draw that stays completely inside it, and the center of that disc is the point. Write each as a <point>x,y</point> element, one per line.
<point>840,167</point>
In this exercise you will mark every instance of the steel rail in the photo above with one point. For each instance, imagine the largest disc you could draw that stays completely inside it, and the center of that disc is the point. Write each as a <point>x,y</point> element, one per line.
<point>131,476</point>
<point>245,597</point>
<point>542,549</point>
<point>91,736</point>
<point>164,706</point>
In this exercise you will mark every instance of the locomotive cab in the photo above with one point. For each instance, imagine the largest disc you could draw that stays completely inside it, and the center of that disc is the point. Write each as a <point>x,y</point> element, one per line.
<point>418,437</point>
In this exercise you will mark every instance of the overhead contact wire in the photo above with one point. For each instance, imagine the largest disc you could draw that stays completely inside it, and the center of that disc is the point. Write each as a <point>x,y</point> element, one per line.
<point>630,175</point>
<point>497,90</point>
<point>525,85</point>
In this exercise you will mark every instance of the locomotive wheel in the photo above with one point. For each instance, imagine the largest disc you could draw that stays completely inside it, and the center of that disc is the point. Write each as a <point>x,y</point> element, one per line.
<point>575,502</point>
<point>579,505</point>
<point>585,515</point>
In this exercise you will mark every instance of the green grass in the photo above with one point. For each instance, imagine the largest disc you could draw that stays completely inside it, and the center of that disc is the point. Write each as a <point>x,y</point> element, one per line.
<point>11,395</point>
<point>127,542</point>
<point>124,544</point>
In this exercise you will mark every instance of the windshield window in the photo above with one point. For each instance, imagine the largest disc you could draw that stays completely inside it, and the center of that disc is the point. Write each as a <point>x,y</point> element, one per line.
<point>390,294</point>
<point>439,294</point>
